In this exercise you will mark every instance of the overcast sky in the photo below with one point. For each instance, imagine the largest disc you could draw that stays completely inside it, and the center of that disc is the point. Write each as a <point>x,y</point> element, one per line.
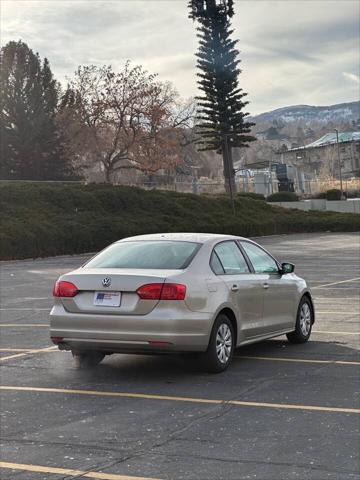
<point>292,51</point>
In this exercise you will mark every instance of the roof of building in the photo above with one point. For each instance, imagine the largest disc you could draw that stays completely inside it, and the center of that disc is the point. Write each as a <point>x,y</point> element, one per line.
<point>330,138</point>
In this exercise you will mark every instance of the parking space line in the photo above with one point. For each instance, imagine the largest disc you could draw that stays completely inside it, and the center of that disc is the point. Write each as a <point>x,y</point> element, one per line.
<point>99,393</point>
<point>23,325</point>
<point>298,360</point>
<point>339,312</point>
<point>15,349</point>
<point>67,471</point>
<point>54,349</point>
<point>29,352</point>
<point>25,308</point>
<point>335,333</point>
<point>43,325</point>
<point>336,283</point>
<point>48,309</point>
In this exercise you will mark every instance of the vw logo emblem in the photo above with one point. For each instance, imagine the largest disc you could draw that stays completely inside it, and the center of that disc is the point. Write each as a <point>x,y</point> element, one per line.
<point>106,282</point>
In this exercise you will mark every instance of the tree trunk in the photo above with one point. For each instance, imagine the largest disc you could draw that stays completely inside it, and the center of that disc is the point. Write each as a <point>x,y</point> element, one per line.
<point>229,173</point>
<point>107,174</point>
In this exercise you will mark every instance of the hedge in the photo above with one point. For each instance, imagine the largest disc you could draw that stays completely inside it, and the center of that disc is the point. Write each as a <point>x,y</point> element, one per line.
<point>53,219</point>
<point>283,197</point>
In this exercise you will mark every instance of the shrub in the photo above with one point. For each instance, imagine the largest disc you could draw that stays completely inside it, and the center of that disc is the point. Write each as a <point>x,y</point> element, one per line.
<point>333,194</point>
<point>353,194</point>
<point>283,197</point>
<point>254,196</point>
<point>54,219</point>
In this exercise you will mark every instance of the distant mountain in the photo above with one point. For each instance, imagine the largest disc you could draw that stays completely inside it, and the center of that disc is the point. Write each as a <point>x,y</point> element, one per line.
<point>307,113</point>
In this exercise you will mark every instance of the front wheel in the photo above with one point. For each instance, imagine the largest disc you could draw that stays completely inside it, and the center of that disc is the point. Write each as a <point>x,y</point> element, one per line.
<point>304,322</point>
<point>221,346</point>
<point>87,359</point>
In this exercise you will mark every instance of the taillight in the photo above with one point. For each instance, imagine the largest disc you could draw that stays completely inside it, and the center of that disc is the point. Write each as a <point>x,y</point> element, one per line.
<point>173,291</point>
<point>150,291</point>
<point>162,291</point>
<point>64,289</point>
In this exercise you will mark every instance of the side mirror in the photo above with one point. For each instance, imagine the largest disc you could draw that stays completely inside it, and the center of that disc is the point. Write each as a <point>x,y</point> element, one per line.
<point>287,268</point>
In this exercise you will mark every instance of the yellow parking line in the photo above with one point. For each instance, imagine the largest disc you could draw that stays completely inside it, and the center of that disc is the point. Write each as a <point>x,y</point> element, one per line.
<point>181,399</point>
<point>28,350</point>
<point>15,349</point>
<point>67,471</point>
<point>336,283</point>
<point>45,325</point>
<point>298,360</point>
<point>23,325</point>
<point>18,355</point>
<point>335,333</point>
<point>8,309</point>
<point>339,312</point>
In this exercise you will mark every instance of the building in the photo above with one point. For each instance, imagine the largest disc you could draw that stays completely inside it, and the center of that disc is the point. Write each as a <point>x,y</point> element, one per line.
<point>320,158</point>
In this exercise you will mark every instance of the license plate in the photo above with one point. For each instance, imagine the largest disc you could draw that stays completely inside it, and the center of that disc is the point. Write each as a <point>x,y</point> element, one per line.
<point>107,299</point>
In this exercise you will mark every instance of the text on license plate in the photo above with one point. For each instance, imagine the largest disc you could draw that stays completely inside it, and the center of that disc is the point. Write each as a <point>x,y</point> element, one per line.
<point>107,299</point>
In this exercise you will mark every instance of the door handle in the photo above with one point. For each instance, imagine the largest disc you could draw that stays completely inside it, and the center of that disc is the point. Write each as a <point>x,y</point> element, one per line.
<point>266,286</point>
<point>235,287</point>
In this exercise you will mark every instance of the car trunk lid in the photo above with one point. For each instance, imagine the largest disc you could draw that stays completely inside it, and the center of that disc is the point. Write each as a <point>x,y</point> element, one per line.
<point>89,282</point>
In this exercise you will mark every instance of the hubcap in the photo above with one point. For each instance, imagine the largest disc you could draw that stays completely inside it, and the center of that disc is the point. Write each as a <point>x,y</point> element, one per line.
<point>223,343</point>
<point>305,319</point>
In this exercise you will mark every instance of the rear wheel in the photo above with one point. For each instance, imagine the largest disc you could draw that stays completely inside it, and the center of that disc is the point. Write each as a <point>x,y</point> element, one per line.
<point>87,359</point>
<point>221,346</point>
<point>304,322</point>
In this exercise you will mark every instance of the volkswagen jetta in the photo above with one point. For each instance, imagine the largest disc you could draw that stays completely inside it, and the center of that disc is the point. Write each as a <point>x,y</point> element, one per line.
<point>182,292</point>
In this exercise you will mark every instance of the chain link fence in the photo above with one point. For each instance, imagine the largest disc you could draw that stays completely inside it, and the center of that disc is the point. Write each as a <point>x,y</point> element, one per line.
<point>308,188</point>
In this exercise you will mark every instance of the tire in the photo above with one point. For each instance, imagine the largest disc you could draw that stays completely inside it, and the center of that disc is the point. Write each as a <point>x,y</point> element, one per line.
<point>304,322</point>
<point>221,346</point>
<point>87,359</point>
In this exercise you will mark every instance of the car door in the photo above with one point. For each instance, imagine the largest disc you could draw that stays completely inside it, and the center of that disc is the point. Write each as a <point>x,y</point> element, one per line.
<point>279,290</point>
<point>245,288</point>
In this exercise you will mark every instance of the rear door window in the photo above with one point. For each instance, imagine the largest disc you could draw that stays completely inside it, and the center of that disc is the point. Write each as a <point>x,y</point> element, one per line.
<point>230,258</point>
<point>215,265</point>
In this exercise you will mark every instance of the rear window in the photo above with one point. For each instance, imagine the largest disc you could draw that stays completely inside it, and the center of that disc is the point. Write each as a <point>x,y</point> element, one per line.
<point>146,254</point>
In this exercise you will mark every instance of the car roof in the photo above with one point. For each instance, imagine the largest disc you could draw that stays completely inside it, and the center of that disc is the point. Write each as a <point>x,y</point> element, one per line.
<point>185,236</point>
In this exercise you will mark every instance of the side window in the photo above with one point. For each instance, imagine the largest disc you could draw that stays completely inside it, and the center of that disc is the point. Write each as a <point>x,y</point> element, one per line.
<point>261,261</point>
<point>215,265</point>
<point>231,258</point>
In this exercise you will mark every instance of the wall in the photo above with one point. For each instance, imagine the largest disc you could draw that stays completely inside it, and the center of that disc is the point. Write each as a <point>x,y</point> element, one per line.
<point>344,206</point>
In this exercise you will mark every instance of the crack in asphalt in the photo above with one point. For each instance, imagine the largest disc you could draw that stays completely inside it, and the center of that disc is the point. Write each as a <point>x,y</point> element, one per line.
<point>94,446</point>
<point>262,462</point>
<point>212,413</point>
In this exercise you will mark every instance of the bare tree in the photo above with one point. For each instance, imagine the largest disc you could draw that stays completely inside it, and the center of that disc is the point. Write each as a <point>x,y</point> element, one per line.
<point>163,133</point>
<point>123,120</point>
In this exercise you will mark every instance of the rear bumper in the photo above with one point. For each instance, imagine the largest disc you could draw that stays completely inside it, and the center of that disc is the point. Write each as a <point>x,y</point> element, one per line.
<point>165,329</point>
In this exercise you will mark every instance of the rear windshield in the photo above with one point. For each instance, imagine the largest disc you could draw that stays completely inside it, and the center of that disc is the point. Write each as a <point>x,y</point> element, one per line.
<point>146,254</point>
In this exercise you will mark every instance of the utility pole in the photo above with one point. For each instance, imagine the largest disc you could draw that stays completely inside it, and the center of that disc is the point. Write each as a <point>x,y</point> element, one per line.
<point>229,168</point>
<point>270,177</point>
<point>339,161</point>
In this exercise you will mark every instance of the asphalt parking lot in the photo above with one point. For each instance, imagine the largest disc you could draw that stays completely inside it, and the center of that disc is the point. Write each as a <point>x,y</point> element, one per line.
<point>281,411</point>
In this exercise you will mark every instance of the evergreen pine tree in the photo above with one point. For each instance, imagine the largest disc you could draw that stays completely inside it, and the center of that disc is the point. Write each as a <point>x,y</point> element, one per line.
<point>31,148</point>
<point>221,121</point>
